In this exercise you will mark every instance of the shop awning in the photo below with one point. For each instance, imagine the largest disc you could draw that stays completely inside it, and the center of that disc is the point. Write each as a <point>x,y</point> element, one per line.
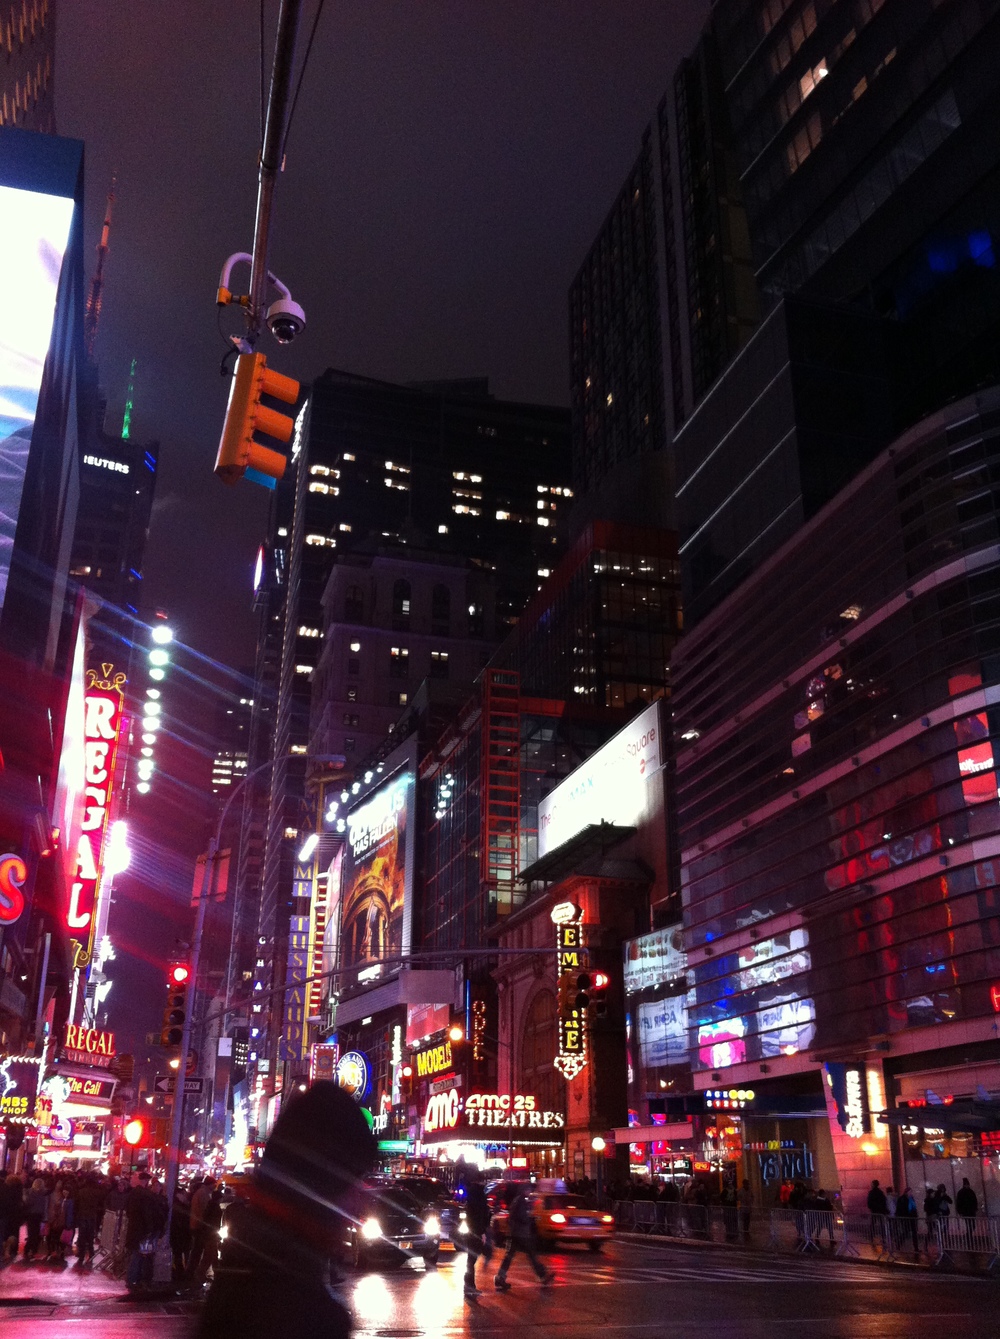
<point>961,1117</point>
<point>593,840</point>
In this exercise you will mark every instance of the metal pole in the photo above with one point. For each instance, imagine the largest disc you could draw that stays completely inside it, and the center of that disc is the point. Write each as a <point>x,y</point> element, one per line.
<point>177,1116</point>
<point>270,158</point>
<point>40,1011</point>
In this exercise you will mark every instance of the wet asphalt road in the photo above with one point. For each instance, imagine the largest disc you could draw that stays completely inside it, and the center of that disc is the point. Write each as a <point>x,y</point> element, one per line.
<point>632,1291</point>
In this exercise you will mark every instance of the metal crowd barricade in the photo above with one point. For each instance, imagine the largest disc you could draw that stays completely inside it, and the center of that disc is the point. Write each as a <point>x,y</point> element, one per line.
<point>967,1236</point>
<point>644,1215</point>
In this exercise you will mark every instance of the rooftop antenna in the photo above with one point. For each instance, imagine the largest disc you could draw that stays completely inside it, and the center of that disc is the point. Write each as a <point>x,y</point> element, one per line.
<point>95,297</point>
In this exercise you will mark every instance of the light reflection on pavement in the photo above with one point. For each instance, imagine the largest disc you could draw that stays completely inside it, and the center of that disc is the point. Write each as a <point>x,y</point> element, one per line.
<point>633,1291</point>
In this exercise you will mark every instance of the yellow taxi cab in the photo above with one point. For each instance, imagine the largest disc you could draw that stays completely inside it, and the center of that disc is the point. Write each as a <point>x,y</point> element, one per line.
<point>560,1216</point>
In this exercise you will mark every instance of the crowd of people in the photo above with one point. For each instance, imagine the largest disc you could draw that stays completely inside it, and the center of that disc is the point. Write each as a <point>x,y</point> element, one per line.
<point>47,1218</point>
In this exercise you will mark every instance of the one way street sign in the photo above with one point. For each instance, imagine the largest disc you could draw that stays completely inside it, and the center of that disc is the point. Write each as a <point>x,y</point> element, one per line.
<point>167,1083</point>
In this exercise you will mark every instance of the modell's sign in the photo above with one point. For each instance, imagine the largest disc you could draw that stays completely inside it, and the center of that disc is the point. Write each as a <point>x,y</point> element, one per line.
<point>102,726</point>
<point>88,1046</point>
<point>481,1113</point>
<point>434,1060</point>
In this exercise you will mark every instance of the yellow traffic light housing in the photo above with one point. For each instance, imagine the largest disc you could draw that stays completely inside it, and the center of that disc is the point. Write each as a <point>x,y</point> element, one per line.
<point>239,451</point>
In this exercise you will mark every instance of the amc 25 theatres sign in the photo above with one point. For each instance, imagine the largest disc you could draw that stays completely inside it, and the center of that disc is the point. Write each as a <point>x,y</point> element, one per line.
<point>485,1112</point>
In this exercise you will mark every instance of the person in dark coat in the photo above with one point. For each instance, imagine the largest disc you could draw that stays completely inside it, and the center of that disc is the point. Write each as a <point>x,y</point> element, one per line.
<point>180,1234</point>
<point>906,1214</point>
<point>272,1275</point>
<point>89,1212</point>
<point>521,1230</point>
<point>145,1221</point>
<point>477,1215</point>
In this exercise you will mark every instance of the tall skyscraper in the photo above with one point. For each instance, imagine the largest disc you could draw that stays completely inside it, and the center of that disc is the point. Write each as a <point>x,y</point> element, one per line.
<point>117,483</point>
<point>438,468</point>
<point>870,171</point>
<point>27,64</point>
<point>831,170</point>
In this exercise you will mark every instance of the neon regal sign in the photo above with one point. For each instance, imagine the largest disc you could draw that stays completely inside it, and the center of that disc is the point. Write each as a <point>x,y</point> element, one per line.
<point>102,727</point>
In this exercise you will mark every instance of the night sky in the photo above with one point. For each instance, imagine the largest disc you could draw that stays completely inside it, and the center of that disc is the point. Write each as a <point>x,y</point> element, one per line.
<point>447,170</point>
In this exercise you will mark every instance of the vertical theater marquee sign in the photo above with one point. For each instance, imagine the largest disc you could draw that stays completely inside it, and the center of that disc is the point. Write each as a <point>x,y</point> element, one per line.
<point>571,1055</point>
<point>103,714</point>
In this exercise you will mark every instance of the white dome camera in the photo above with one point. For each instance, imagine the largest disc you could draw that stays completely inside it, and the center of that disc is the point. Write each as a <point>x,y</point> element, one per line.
<point>285,319</point>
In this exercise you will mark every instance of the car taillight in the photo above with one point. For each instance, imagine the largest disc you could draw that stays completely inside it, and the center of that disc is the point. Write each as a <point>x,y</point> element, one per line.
<point>607,1218</point>
<point>558,1218</point>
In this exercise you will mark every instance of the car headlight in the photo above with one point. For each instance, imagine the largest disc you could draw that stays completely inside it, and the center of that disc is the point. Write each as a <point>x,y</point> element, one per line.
<point>223,1232</point>
<point>463,1226</point>
<point>371,1229</point>
<point>432,1226</point>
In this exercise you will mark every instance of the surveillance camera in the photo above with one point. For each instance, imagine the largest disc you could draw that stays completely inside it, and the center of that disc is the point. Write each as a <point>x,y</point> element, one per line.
<point>285,318</point>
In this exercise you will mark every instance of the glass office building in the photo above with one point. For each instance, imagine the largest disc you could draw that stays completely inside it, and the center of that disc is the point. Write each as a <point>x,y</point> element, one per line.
<point>837,796</point>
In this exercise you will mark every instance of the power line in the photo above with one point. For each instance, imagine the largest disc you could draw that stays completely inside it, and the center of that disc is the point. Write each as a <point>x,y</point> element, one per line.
<point>302,71</point>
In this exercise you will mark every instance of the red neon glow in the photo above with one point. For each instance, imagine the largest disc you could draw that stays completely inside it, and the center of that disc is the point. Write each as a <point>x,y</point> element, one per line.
<point>995,996</point>
<point>133,1132</point>
<point>13,872</point>
<point>102,726</point>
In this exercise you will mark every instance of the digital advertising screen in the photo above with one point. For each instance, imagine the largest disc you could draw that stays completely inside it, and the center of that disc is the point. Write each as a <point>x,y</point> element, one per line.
<point>35,231</point>
<point>377,875</point>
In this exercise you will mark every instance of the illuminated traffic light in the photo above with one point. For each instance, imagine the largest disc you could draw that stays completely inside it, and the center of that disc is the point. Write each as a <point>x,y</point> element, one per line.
<point>178,980</point>
<point>239,451</point>
<point>599,984</point>
<point>405,1081</point>
<point>136,1133</point>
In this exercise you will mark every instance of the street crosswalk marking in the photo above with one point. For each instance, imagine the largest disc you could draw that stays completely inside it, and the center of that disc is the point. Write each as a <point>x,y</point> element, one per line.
<point>667,1268</point>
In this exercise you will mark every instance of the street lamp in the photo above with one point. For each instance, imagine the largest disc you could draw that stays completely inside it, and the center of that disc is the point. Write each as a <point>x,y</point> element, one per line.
<point>599,1144</point>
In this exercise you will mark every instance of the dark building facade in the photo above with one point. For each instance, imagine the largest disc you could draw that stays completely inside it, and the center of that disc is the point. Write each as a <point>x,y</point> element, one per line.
<point>117,484</point>
<point>809,401</point>
<point>835,721</point>
<point>27,65</point>
<point>616,376</point>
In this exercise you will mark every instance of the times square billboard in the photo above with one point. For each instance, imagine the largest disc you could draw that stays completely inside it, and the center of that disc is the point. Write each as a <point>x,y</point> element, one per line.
<point>377,878</point>
<point>35,227</point>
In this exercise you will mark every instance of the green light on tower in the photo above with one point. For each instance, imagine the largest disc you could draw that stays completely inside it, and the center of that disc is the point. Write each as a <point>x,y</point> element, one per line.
<point>127,420</point>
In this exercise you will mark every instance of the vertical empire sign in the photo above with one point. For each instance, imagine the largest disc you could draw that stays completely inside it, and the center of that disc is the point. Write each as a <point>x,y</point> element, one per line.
<point>103,713</point>
<point>293,1046</point>
<point>571,1055</point>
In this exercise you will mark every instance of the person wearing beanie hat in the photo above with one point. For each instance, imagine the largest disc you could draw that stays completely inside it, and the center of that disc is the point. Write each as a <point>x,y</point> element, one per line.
<point>272,1278</point>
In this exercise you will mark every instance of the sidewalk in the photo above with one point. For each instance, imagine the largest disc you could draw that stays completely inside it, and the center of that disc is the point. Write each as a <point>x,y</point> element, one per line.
<point>67,1286</point>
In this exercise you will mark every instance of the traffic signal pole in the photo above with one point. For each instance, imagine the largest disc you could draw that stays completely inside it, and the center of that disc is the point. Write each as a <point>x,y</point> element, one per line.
<point>272,153</point>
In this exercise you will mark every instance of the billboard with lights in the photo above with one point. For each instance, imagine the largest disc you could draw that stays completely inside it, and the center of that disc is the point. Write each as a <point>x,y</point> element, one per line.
<point>612,786</point>
<point>377,874</point>
<point>35,229</point>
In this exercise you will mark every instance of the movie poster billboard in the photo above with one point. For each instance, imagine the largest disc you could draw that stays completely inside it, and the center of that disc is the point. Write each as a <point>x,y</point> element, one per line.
<point>377,876</point>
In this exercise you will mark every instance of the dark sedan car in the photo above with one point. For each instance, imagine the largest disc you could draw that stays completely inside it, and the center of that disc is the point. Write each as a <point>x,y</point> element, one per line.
<point>391,1227</point>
